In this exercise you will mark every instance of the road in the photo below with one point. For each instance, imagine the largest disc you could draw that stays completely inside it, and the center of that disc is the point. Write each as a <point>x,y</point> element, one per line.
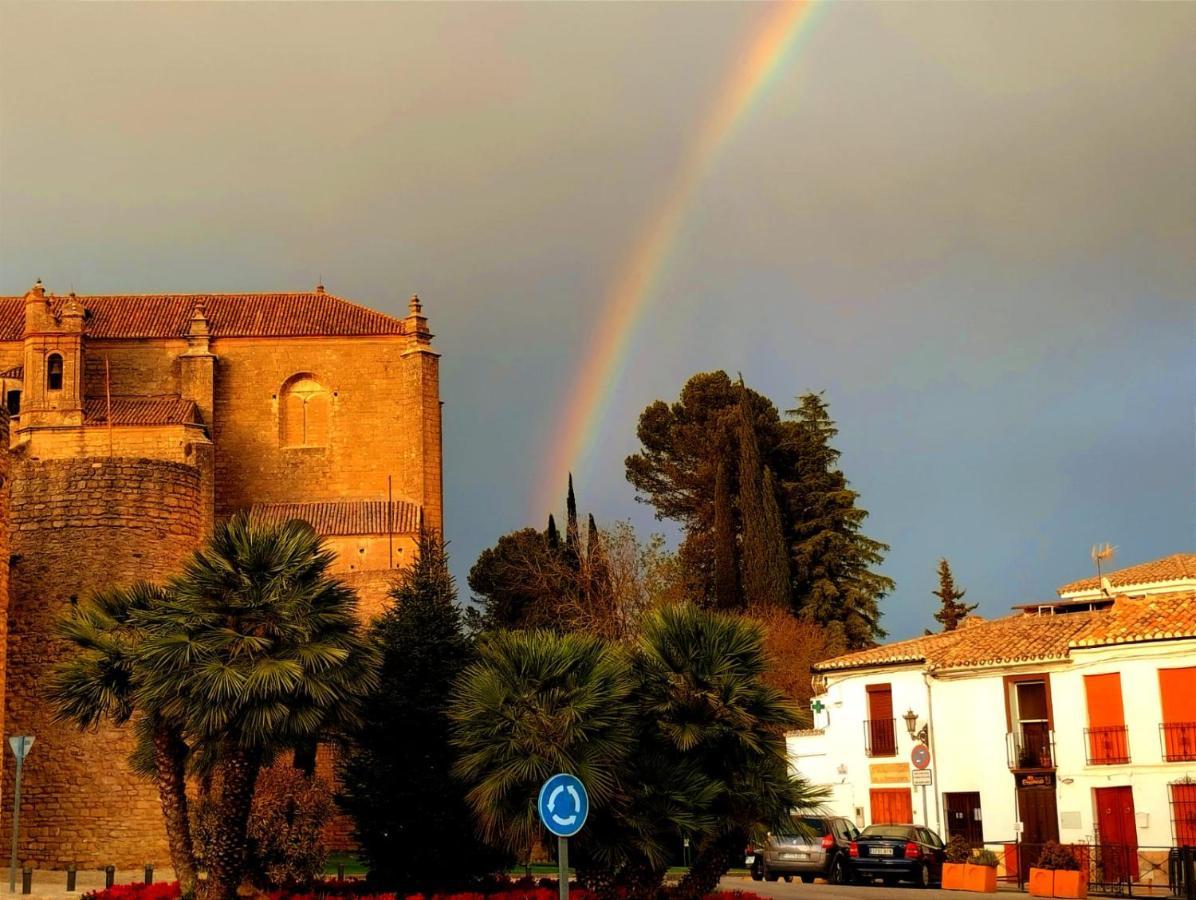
<point>819,891</point>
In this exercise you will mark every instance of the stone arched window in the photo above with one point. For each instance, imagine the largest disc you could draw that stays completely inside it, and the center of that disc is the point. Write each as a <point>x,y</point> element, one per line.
<point>54,372</point>
<point>304,407</point>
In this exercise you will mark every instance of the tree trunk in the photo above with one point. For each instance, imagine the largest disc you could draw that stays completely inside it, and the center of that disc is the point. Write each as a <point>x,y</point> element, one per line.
<point>226,856</point>
<point>170,777</point>
<point>711,863</point>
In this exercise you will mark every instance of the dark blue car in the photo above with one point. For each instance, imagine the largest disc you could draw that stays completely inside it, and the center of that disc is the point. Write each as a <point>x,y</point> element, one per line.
<point>896,853</point>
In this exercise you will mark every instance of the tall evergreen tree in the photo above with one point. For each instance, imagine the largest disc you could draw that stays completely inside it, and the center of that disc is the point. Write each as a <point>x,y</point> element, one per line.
<point>597,567</point>
<point>395,773</point>
<point>952,611</point>
<point>764,559</point>
<point>832,560</point>
<point>726,574</point>
<point>572,532</point>
<point>551,535</point>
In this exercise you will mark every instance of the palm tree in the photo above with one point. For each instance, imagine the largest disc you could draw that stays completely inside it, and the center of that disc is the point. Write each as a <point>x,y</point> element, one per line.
<point>253,649</point>
<point>533,704</point>
<point>99,683</point>
<point>703,700</point>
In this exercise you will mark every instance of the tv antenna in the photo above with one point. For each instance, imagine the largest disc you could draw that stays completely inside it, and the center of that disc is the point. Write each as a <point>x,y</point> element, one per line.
<point>1101,552</point>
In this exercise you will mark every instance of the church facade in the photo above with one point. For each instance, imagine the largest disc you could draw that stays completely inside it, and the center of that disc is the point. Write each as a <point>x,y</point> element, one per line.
<point>130,425</point>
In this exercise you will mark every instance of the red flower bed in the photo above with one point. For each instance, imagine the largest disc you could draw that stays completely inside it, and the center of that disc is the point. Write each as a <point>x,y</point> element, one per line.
<point>165,890</point>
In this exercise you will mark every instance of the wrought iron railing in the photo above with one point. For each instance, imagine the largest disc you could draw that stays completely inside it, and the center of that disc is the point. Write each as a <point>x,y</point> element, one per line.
<point>1030,748</point>
<point>1108,745</point>
<point>1179,741</point>
<point>880,737</point>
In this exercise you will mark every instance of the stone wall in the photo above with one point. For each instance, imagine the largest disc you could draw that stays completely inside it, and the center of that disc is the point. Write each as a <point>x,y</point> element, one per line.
<point>5,489</point>
<point>79,526</point>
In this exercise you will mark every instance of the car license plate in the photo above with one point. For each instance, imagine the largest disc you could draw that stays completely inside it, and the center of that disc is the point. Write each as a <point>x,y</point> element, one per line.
<point>750,861</point>
<point>881,851</point>
<point>795,856</point>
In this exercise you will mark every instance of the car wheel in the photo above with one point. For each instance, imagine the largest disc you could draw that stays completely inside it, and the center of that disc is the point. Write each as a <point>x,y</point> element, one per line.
<point>807,879</point>
<point>836,875</point>
<point>923,880</point>
<point>770,876</point>
<point>757,875</point>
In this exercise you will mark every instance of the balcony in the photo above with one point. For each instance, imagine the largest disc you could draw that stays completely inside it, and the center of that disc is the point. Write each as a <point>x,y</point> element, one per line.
<point>1108,745</point>
<point>880,737</point>
<point>1179,741</point>
<point>1032,747</point>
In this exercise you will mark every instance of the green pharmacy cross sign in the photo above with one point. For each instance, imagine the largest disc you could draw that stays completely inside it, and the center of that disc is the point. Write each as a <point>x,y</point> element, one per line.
<point>818,706</point>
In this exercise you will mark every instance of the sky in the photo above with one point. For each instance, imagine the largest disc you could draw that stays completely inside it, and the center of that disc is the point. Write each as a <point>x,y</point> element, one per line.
<point>972,225</point>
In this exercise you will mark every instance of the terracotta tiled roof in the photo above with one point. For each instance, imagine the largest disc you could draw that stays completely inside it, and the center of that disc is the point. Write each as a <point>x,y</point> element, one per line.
<point>1177,567</point>
<point>130,411</point>
<point>228,315</point>
<point>16,372</point>
<point>1033,637</point>
<point>344,517</point>
<point>1158,617</point>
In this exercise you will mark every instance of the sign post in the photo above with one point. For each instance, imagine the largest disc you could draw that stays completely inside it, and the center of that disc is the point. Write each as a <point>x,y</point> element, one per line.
<point>20,749</point>
<point>564,806</point>
<point>920,757</point>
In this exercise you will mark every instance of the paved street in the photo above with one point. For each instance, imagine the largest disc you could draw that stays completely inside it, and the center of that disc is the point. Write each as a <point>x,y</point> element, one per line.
<point>818,891</point>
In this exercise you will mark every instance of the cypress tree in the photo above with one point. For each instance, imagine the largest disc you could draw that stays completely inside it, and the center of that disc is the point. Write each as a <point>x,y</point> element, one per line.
<point>598,568</point>
<point>726,575</point>
<point>765,562</point>
<point>552,536</point>
<point>572,533</point>
<point>951,612</point>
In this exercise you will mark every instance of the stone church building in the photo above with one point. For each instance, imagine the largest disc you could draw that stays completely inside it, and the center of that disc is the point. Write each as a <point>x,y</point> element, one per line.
<point>131,424</point>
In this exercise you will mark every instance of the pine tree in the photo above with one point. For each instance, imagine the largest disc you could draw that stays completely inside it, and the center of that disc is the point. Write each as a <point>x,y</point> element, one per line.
<point>952,612</point>
<point>764,560</point>
<point>551,535</point>
<point>832,561</point>
<point>572,533</point>
<point>395,773</point>
<point>726,575</point>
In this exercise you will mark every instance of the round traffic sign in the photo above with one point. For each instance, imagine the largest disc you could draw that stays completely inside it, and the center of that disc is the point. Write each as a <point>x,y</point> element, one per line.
<point>564,805</point>
<point>920,756</point>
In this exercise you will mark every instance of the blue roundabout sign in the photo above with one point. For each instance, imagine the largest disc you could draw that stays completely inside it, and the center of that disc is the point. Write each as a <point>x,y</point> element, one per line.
<point>564,805</point>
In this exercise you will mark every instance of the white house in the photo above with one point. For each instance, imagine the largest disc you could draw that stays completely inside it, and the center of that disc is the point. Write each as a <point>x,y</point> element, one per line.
<point>1071,720</point>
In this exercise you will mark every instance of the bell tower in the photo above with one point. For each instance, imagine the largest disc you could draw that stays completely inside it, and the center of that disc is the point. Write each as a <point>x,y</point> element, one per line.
<point>53,360</point>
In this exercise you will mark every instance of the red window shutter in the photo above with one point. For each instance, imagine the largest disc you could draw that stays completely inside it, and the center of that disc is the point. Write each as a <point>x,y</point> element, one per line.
<point>1104,700</point>
<point>1178,690</point>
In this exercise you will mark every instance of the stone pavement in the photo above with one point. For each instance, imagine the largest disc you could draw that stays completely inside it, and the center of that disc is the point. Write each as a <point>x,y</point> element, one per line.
<point>52,883</point>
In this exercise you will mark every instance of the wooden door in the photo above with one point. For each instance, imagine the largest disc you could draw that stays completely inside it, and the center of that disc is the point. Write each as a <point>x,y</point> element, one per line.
<point>891,806</point>
<point>1040,822</point>
<point>1117,832</point>
<point>963,817</point>
<point>882,735</point>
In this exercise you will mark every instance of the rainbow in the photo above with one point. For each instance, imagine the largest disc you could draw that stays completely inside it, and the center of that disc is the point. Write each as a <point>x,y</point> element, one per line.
<point>586,402</point>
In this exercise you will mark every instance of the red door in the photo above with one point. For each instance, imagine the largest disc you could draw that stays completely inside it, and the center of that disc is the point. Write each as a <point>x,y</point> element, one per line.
<point>891,806</point>
<point>1117,831</point>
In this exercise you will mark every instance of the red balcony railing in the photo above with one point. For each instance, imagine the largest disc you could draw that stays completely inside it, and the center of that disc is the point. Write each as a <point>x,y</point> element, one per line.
<point>1108,745</point>
<point>1179,741</point>
<point>880,737</point>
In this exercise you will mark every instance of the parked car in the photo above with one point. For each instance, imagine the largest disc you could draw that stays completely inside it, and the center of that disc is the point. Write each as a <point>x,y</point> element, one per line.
<point>896,853</point>
<point>816,847</point>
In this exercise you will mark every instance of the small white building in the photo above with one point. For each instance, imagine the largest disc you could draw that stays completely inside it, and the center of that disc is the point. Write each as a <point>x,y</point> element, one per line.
<point>1071,720</point>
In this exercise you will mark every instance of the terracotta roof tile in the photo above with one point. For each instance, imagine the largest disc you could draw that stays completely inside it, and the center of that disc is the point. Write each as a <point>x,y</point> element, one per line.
<point>1033,637</point>
<point>1158,617</point>
<point>1177,567</point>
<point>129,411</point>
<point>344,517</point>
<point>228,315</point>
<point>16,372</point>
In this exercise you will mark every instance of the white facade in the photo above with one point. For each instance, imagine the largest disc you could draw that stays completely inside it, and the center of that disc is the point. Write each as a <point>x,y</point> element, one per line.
<point>966,709</point>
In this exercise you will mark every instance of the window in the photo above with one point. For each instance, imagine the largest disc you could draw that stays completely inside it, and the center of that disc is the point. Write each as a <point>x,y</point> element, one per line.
<point>12,402</point>
<point>304,413</point>
<point>54,372</point>
<point>1177,689</point>
<point>880,733</point>
<point>1108,743</point>
<point>1030,721</point>
<point>1183,812</point>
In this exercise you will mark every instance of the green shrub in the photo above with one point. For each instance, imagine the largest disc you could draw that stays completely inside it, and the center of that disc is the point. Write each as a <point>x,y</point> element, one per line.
<point>1058,856</point>
<point>985,858</point>
<point>958,849</point>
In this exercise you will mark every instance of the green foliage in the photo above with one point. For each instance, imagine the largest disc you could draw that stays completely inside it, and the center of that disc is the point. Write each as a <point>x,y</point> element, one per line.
<point>726,572</point>
<point>1057,856</point>
<point>286,827</point>
<point>985,858</point>
<point>765,564</point>
<point>520,581</point>
<point>951,612</point>
<point>533,704</point>
<point>958,849</point>
<point>831,578</point>
<point>395,768</point>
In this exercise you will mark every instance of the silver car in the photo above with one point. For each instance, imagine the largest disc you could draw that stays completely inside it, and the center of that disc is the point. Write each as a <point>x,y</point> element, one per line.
<point>816,847</point>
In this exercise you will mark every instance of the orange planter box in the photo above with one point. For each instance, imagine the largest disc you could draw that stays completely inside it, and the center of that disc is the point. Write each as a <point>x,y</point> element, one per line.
<point>1042,882</point>
<point>981,879</point>
<point>954,878</point>
<point>1071,884</point>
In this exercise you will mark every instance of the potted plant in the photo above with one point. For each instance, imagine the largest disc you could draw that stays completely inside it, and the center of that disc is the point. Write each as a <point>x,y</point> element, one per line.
<point>1057,874</point>
<point>980,874</point>
<point>957,853</point>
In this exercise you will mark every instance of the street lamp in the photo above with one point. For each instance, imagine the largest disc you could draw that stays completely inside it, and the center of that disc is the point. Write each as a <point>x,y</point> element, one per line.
<point>911,725</point>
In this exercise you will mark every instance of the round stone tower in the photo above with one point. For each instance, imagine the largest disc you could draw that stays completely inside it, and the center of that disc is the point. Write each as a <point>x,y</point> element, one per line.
<point>77,526</point>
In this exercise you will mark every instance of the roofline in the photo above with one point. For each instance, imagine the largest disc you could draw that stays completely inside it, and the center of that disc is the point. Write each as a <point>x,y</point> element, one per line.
<point>885,664</point>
